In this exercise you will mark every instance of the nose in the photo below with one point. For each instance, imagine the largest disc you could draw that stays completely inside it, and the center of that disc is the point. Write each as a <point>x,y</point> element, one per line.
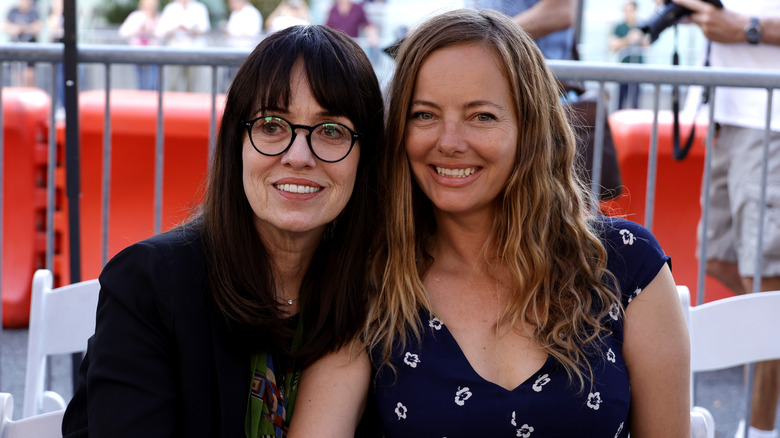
<point>299,155</point>
<point>451,140</point>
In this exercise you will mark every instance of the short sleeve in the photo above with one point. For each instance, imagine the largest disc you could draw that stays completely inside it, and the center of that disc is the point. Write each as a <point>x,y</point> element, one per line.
<point>634,255</point>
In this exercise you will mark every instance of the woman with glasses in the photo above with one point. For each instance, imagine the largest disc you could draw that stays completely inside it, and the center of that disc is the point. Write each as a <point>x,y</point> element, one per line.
<point>203,331</point>
<point>506,308</point>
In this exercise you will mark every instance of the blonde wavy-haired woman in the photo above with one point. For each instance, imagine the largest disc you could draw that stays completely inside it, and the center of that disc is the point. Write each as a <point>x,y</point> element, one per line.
<point>505,308</point>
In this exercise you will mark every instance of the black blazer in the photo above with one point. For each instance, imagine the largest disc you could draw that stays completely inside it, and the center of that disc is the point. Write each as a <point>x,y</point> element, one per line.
<point>163,361</point>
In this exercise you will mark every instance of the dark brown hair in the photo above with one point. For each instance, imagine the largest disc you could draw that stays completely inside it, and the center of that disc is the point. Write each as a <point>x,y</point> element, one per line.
<point>240,269</point>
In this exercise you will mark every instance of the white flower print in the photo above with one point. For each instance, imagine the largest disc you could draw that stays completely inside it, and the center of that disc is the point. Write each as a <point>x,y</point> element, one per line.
<point>435,323</point>
<point>628,237</point>
<point>525,431</point>
<point>620,429</point>
<point>594,400</point>
<point>611,355</point>
<point>411,359</point>
<point>400,410</point>
<point>541,381</point>
<point>462,395</point>
<point>613,311</point>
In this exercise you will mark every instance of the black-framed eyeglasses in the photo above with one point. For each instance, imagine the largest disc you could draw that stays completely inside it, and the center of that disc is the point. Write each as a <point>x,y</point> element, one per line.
<point>273,135</point>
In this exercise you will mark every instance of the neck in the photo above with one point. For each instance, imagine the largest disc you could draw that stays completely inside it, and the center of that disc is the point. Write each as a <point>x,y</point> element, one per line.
<point>461,240</point>
<point>292,254</point>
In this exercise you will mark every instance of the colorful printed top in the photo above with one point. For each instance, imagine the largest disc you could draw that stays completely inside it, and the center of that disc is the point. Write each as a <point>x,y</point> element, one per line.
<point>436,393</point>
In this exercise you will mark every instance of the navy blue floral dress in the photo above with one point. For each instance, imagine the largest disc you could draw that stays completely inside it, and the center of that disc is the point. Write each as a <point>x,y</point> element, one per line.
<point>436,393</point>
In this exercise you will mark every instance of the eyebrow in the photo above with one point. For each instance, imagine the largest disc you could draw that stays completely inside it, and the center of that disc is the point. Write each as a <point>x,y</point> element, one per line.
<point>473,104</point>
<point>287,113</point>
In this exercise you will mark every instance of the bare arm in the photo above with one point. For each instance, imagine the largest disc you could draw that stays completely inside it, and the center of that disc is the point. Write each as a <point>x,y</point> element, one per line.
<point>727,26</point>
<point>634,37</point>
<point>332,395</point>
<point>657,354</point>
<point>547,16</point>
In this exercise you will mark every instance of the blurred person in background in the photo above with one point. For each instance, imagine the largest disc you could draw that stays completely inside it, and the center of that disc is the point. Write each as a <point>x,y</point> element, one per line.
<point>183,23</point>
<point>242,30</point>
<point>745,35</point>
<point>22,25</point>
<point>351,18</point>
<point>138,29</point>
<point>628,41</point>
<point>549,22</point>
<point>244,24</point>
<point>288,13</point>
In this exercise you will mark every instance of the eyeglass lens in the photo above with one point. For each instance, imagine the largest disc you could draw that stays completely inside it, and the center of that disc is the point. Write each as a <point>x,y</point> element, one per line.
<point>330,141</point>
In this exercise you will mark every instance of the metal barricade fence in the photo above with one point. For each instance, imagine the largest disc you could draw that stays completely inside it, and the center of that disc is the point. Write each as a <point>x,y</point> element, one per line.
<point>596,75</point>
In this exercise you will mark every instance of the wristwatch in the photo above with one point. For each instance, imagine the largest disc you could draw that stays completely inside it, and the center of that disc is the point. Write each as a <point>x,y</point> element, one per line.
<point>753,31</point>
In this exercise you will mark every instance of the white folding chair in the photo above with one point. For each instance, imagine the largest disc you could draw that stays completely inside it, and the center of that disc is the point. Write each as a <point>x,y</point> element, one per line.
<point>702,423</point>
<point>61,322</point>
<point>48,425</point>
<point>731,331</point>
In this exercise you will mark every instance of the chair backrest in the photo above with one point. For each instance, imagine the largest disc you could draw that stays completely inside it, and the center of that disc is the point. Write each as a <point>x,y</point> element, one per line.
<point>48,425</point>
<point>702,423</point>
<point>733,331</point>
<point>61,322</point>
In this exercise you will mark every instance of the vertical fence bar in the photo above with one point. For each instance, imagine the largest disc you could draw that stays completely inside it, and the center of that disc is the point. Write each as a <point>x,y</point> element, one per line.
<point>652,162</point>
<point>51,167</point>
<point>159,155</point>
<point>213,119</point>
<point>598,149</point>
<point>2,204</point>
<point>705,212</point>
<point>758,274</point>
<point>106,166</point>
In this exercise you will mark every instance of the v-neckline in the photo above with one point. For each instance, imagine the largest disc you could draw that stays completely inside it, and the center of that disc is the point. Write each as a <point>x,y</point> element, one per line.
<point>461,356</point>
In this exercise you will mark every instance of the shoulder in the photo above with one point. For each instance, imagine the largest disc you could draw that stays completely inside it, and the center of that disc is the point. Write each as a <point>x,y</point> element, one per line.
<point>634,255</point>
<point>157,273</point>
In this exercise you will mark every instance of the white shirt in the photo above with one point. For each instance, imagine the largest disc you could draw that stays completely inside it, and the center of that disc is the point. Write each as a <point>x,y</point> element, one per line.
<point>747,106</point>
<point>244,26</point>
<point>193,17</point>
<point>139,29</point>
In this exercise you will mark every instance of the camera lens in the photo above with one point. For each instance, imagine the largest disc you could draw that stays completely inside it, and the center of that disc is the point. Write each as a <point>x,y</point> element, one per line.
<point>670,14</point>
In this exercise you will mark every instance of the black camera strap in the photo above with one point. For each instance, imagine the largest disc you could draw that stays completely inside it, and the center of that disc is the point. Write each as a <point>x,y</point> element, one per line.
<point>682,152</point>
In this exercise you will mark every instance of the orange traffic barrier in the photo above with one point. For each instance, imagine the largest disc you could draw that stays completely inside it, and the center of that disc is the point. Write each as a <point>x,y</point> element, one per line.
<point>25,143</point>
<point>677,207</point>
<point>132,181</point>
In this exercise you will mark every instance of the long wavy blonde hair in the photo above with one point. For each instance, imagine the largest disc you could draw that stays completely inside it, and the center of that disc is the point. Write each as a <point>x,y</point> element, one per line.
<point>542,231</point>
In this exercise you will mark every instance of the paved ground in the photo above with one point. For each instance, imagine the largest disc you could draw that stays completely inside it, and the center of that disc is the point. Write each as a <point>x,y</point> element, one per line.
<point>722,392</point>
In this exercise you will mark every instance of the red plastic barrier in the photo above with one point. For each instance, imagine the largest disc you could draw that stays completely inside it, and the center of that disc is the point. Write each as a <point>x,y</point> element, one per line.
<point>678,188</point>
<point>25,142</point>
<point>133,142</point>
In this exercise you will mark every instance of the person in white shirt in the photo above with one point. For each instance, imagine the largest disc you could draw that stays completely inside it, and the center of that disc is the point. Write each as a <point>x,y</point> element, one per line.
<point>183,23</point>
<point>745,35</point>
<point>242,30</point>
<point>244,24</point>
<point>138,29</point>
<point>288,13</point>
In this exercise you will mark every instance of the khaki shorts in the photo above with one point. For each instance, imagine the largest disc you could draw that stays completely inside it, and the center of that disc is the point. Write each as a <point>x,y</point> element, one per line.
<point>735,199</point>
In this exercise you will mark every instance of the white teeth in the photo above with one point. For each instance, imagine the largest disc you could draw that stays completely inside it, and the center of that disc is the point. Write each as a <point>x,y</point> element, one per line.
<point>455,173</point>
<point>295,188</point>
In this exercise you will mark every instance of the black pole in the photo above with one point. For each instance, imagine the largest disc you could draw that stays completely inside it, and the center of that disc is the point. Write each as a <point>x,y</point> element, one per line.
<point>72,151</point>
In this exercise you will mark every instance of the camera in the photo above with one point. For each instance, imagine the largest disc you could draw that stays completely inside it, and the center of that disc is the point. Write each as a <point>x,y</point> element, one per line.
<point>670,14</point>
